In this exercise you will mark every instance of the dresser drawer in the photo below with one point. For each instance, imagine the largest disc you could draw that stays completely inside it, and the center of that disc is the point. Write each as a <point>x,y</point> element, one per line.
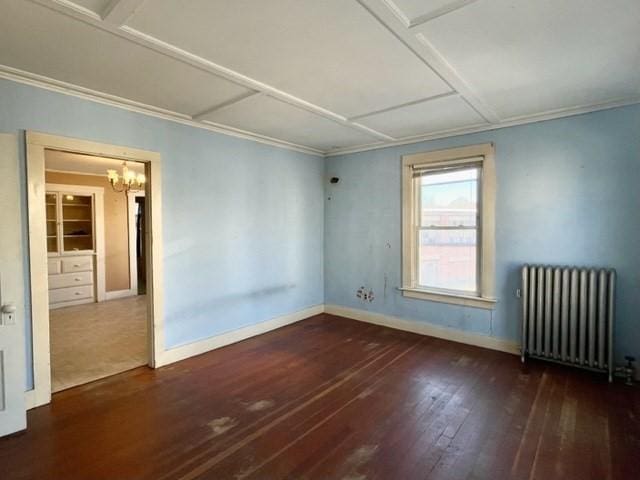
<point>77,264</point>
<point>54,266</point>
<point>70,280</point>
<point>70,293</point>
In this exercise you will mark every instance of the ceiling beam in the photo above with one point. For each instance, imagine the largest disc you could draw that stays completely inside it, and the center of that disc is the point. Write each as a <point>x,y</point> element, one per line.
<point>118,12</point>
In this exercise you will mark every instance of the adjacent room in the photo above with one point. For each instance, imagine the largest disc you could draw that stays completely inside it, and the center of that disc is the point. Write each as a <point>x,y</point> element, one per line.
<point>95,246</point>
<point>319,239</point>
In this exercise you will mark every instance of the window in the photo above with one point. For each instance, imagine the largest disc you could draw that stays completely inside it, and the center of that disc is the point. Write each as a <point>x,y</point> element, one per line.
<point>448,226</point>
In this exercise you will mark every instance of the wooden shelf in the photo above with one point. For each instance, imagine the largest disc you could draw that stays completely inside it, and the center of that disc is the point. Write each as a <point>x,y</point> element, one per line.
<point>73,222</point>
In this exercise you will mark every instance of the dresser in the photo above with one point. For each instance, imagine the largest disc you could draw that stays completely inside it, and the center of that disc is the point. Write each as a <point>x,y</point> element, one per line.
<point>71,280</point>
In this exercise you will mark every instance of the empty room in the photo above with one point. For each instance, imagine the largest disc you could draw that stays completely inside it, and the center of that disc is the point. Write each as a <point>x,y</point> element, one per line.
<point>319,239</point>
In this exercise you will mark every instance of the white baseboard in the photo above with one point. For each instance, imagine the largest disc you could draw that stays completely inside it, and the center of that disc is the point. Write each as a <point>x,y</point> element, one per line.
<point>120,294</point>
<point>424,328</point>
<point>30,399</point>
<point>202,346</point>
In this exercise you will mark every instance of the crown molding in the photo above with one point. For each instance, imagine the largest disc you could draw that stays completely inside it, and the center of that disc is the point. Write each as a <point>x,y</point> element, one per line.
<point>20,76</point>
<point>39,81</point>
<point>384,11</point>
<point>510,122</point>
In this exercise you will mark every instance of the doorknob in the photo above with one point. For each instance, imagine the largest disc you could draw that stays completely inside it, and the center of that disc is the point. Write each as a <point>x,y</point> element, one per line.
<point>8,314</point>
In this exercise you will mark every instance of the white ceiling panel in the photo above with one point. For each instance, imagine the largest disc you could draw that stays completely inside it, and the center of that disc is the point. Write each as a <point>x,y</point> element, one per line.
<point>57,46</point>
<point>528,57</point>
<point>267,116</point>
<point>437,115</point>
<point>332,53</point>
<point>96,6</point>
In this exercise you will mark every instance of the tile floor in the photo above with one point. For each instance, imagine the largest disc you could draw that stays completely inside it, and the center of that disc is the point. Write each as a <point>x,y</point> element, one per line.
<point>97,340</point>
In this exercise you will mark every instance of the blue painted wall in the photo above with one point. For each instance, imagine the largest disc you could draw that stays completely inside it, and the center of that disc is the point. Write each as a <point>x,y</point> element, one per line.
<point>243,222</point>
<point>246,226</point>
<point>568,192</point>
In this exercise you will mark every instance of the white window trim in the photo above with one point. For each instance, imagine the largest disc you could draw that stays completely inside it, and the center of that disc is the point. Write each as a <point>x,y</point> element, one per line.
<point>410,288</point>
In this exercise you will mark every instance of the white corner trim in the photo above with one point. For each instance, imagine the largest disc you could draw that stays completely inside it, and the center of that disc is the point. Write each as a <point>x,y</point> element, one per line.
<point>120,294</point>
<point>423,328</point>
<point>202,346</point>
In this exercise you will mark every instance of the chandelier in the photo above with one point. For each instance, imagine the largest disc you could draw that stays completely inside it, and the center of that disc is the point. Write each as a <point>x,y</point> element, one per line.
<point>127,181</point>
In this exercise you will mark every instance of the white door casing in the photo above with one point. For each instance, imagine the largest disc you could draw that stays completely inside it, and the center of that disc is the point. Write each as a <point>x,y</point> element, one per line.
<point>12,302</point>
<point>36,144</point>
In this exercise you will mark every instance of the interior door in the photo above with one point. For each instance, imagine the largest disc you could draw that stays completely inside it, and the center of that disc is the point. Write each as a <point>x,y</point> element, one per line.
<point>12,356</point>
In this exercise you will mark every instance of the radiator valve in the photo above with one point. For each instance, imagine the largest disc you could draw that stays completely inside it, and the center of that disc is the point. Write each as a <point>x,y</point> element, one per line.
<point>629,371</point>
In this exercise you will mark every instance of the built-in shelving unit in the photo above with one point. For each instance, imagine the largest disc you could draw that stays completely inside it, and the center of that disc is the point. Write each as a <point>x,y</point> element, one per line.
<point>71,244</point>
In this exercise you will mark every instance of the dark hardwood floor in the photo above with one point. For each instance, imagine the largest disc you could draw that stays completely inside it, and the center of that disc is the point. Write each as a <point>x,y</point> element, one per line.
<point>331,398</point>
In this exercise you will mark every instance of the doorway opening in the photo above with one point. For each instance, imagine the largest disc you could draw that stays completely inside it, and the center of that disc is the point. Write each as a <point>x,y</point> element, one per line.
<point>97,316</point>
<point>94,264</point>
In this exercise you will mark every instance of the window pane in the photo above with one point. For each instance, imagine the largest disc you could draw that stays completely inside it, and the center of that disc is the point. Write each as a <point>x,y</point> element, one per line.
<point>447,259</point>
<point>449,198</point>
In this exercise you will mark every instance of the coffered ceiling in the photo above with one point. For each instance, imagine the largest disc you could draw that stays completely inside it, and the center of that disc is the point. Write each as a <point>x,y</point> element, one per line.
<point>331,76</point>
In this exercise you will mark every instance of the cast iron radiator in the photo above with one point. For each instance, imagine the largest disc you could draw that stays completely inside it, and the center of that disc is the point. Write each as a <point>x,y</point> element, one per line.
<point>568,315</point>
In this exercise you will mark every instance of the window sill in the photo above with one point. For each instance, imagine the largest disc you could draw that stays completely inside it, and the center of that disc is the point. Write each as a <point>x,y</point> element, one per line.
<point>453,299</point>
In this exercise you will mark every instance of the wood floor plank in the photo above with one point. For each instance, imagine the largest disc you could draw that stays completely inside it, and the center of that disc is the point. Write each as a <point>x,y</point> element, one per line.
<point>333,398</point>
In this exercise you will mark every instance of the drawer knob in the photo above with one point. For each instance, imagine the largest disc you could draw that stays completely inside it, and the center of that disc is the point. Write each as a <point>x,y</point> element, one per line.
<point>77,279</point>
<point>77,265</point>
<point>78,293</point>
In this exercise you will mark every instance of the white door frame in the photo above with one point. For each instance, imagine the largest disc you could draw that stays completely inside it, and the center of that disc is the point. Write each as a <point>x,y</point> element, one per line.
<point>133,257</point>
<point>37,143</point>
<point>12,372</point>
